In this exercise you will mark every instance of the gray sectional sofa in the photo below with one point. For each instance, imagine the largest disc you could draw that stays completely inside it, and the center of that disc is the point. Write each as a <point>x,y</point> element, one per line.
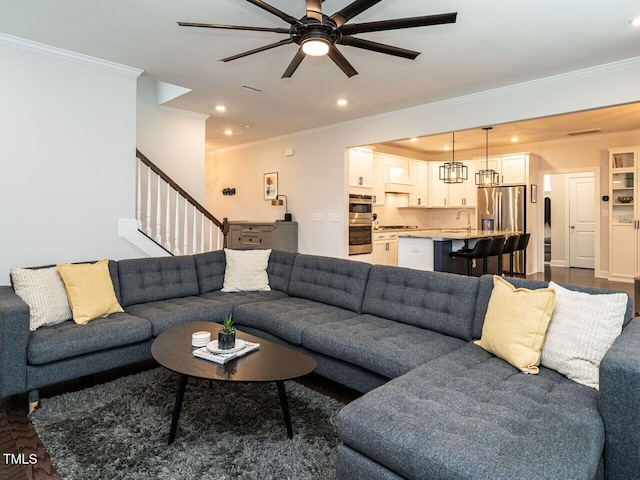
<point>436,406</point>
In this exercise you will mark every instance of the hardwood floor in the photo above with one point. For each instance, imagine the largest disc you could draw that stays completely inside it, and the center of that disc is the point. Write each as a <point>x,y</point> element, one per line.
<point>25,458</point>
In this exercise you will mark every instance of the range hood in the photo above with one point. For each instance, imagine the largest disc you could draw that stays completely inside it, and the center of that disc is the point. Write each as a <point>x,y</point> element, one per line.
<point>396,187</point>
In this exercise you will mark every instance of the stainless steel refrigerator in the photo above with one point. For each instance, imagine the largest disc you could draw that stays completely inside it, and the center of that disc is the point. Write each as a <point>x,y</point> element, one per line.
<point>503,208</point>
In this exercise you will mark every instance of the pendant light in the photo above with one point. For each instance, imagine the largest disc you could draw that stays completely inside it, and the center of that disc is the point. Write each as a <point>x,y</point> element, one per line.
<point>453,172</point>
<point>487,177</point>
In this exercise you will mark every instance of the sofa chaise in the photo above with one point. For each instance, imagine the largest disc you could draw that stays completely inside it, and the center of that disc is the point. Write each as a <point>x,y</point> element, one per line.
<point>435,404</point>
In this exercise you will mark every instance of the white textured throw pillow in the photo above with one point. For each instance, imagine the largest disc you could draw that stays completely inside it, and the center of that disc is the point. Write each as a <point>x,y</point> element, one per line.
<point>582,329</point>
<point>43,290</point>
<point>246,271</point>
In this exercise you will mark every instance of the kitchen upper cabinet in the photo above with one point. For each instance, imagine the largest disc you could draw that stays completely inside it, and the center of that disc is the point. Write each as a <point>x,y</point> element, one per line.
<point>514,170</point>
<point>438,190</point>
<point>378,180</point>
<point>443,195</point>
<point>464,194</point>
<point>360,169</point>
<point>419,176</point>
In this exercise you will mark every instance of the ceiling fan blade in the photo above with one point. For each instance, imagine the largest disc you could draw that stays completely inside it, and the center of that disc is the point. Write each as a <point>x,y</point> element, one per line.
<point>343,63</point>
<point>295,63</point>
<point>314,10</point>
<point>234,27</point>
<point>378,47</point>
<point>398,23</point>
<point>351,10</point>
<point>274,11</point>
<point>257,50</point>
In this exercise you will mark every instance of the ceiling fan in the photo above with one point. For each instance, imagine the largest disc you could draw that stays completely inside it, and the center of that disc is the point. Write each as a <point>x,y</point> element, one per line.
<point>317,34</point>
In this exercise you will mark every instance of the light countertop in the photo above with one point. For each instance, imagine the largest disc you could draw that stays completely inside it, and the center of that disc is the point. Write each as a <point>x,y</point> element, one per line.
<point>453,233</point>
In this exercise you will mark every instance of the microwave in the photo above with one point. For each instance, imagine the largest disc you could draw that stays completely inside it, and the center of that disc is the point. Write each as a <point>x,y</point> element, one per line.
<point>360,209</point>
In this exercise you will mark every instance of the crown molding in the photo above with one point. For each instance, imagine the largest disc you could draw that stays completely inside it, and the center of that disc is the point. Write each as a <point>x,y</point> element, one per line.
<point>62,54</point>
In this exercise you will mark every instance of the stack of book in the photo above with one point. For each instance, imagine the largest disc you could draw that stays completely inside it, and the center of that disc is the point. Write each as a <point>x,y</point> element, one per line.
<point>222,357</point>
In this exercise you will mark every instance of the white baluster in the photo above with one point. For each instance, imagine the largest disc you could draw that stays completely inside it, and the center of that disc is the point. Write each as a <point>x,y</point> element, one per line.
<point>210,236</point>
<point>148,229</point>
<point>185,238</point>
<point>218,240</point>
<point>201,233</point>
<point>167,233</point>
<point>139,196</point>
<point>158,214</point>
<point>177,225</point>
<point>194,238</point>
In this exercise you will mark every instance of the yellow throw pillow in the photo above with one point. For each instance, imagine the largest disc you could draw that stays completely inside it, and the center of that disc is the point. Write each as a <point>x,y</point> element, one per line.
<point>90,290</point>
<point>516,324</point>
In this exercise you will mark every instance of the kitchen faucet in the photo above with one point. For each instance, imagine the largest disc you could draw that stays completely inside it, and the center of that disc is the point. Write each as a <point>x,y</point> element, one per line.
<point>468,218</point>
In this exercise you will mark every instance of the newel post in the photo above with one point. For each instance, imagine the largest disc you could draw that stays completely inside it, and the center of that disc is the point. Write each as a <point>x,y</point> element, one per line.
<point>225,231</point>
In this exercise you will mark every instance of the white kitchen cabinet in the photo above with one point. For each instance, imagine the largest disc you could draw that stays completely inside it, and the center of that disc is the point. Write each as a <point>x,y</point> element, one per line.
<point>378,180</point>
<point>444,195</point>
<point>385,249</point>
<point>514,170</point>
<point>419,176</point>
<point>360,169</point>
<point>624,214</point>
<point>464,194</point>
<point>438,190</point>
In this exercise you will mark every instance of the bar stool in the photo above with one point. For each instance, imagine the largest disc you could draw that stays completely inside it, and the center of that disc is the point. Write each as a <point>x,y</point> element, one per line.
<point>510,246</point>
<point>479,250</point>
<point>495,249</point>
<point>523,241</point>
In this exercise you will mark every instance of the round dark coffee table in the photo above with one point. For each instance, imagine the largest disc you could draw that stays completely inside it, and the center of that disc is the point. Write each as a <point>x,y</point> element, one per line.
<point>270,363</point>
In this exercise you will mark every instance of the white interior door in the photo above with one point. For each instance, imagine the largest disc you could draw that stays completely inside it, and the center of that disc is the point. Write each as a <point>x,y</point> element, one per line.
<point>582,221</point>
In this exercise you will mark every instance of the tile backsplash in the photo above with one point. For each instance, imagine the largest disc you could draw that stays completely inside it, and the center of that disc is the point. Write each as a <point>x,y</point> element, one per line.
<point>392,213</point>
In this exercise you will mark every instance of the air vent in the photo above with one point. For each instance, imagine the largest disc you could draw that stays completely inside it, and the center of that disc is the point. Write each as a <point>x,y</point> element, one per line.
<point>583,132</point>
<point>251,89</point>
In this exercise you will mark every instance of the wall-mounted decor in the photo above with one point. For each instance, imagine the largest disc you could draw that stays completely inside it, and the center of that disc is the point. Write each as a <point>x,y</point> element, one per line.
<point>270,186</point>
<point>534,193</point>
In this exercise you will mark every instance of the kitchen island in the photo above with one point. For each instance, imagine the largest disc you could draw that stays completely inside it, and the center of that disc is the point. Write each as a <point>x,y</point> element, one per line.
<point>428,249</point>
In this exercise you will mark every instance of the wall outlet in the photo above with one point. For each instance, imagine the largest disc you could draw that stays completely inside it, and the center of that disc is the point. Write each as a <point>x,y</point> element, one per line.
<point>318,217</point>
<point>334,217</point>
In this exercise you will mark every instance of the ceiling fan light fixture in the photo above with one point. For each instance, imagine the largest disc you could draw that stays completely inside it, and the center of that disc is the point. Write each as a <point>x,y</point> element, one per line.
<point>316,47</point>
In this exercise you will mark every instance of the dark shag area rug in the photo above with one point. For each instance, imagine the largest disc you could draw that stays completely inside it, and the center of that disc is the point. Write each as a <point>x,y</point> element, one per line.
<point>119,430</point>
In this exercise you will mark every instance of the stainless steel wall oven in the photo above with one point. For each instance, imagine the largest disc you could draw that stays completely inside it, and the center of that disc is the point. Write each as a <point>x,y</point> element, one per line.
<point>360,222</point>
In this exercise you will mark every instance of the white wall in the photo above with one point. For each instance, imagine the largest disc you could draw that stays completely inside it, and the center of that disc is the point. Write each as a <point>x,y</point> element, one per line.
<point>315,178</point>
<point>172,139</point>
<point>67,150</point>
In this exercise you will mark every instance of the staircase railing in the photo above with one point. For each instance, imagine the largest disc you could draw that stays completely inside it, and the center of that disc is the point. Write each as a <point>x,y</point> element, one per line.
<point>171,217</point>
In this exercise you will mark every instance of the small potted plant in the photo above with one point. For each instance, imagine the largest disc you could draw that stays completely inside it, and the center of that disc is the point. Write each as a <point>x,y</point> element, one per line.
<point>227,336</point>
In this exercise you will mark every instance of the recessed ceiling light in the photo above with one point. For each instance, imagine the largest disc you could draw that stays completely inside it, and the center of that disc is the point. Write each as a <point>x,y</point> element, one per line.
<point>414,139</point>
<point>342,102</point>
<point>228,132</point>
<point>220,108</point>
<point>635,21</point>
<point>515,139</point>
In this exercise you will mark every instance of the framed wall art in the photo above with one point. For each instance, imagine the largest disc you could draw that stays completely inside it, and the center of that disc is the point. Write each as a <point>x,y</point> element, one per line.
<point>270,186</point>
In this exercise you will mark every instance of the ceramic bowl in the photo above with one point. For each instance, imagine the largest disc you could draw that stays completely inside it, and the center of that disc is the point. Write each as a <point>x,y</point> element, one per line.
<point>625,199</point>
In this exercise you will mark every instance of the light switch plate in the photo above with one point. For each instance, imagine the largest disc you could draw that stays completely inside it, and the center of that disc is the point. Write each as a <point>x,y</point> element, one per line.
<point>318,217</point>
<point>334,217</point>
